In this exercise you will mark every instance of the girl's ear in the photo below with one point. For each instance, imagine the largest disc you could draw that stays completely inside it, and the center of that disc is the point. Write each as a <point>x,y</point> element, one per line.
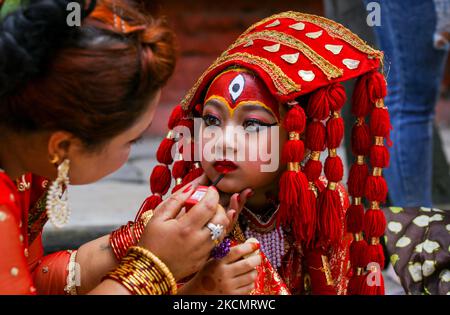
<point>60,142</point>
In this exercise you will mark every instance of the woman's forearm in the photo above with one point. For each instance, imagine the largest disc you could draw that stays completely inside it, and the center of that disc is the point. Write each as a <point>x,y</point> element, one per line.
<point>95,259</point>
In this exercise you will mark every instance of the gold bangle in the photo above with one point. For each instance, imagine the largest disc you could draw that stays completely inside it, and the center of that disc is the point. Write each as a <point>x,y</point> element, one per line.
<point>141,272</point>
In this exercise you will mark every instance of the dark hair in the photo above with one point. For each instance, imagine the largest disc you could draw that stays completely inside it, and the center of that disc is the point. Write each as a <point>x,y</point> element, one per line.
<point>93,81</point>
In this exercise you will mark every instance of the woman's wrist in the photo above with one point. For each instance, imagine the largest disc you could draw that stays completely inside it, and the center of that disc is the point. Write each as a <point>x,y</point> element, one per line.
<point>142,273</point>
<point>128,235</point>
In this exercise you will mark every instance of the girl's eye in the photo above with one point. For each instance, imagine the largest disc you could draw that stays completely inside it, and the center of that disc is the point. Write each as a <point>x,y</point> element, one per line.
<point>211,120</point>
<point>254,125</point>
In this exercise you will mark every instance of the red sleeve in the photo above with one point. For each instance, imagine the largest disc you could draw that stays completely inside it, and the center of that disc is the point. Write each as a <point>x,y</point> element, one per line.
<point>15,277</point>
<point>51,275</point>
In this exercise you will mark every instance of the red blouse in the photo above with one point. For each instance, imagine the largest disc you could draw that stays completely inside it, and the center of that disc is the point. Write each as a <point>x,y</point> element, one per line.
<point>23,267</point>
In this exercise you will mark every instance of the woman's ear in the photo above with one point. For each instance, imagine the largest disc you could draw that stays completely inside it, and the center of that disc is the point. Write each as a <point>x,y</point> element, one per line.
<point>59,144</point>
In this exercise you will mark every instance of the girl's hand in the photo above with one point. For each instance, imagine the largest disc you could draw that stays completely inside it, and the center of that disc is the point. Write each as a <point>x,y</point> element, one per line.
<point>233,274</point>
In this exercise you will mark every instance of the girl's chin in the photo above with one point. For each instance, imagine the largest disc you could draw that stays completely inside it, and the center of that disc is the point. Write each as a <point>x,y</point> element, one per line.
<point>230,186</point>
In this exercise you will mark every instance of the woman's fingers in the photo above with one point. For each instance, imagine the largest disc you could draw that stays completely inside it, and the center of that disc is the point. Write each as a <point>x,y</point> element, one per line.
<point>170,207</point>
<point>220,218</point>
<point>239,251</point>
<point>200,214</point>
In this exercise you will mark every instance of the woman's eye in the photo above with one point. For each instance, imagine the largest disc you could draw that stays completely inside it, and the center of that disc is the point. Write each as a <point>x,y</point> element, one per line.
<point>211,120</point>
<point>254,125</point>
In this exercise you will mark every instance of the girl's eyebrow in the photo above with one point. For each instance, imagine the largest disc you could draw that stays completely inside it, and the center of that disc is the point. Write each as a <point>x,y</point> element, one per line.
<point>215,103</point>
<point>250,107</point>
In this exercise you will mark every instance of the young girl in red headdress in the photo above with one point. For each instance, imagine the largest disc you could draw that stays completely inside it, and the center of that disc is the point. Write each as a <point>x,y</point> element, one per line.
<point>283,74</point>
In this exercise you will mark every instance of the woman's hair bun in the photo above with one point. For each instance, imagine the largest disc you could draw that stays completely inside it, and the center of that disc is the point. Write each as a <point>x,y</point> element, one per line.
<point>30,36</point>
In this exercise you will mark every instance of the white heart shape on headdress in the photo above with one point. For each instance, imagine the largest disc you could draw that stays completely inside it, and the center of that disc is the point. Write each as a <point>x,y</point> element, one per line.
<point>335,49</point>
<point>291,58</point>
<point>274,23</point>
<point>314,35</point>
<point>306,75</point>
<point>351,63</point>
<point>249,43</point>
<point>298,26</point>
<point>272,48</point>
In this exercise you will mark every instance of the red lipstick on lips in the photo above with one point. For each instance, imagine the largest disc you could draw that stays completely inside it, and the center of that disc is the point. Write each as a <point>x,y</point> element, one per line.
<point>224,166</point>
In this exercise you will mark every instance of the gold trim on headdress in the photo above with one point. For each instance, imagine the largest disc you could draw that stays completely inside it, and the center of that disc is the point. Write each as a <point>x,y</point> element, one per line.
<point>333,28</point>
<point>330,70</point>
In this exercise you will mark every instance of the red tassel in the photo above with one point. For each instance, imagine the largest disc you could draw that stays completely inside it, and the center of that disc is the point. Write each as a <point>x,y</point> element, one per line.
<point>312,170</point>
<point>357,178</point>
<point>354,284</point>
<point>377,86</point>
<point>379,156</point>
<point>160,179</point>
<point>318,107</point>
<point>376,188</point>
<point>315,136</point>
<point>361,139</point>
<point>180,169</point>
<point>315,267</point>
<point>365,289</point>
<point>329,217</point>
<point>337,96</point>
<point>184,124</point>
<point>355,219</point>
<point>335,132</point>
<point>375,254</point>
<point>311,219</point>
<point>289,187</point>
<point>295,120</point>
<point>193,174</point>
<point>361,103</point>
<point>374,223</point>
<point>164,154</point>
<point>295,210</point>
<point>380,124</point>
<point>293,151</point>
<point>358,250</point>
<point>175,116</point>
<point>334,169</point>
<point>150,203</point>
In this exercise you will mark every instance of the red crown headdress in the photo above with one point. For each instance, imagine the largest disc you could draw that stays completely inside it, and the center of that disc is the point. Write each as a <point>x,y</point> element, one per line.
<point>302,59</point>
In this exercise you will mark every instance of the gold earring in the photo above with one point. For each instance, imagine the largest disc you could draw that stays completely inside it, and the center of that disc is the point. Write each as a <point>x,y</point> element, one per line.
<point>55,159</point>
<point>58,211</point>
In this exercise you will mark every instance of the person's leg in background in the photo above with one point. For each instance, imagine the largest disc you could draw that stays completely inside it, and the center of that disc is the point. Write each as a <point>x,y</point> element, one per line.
<point>414,70</point>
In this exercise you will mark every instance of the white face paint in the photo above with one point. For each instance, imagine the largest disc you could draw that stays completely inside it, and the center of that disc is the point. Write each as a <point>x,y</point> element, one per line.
<point>236,87</point>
